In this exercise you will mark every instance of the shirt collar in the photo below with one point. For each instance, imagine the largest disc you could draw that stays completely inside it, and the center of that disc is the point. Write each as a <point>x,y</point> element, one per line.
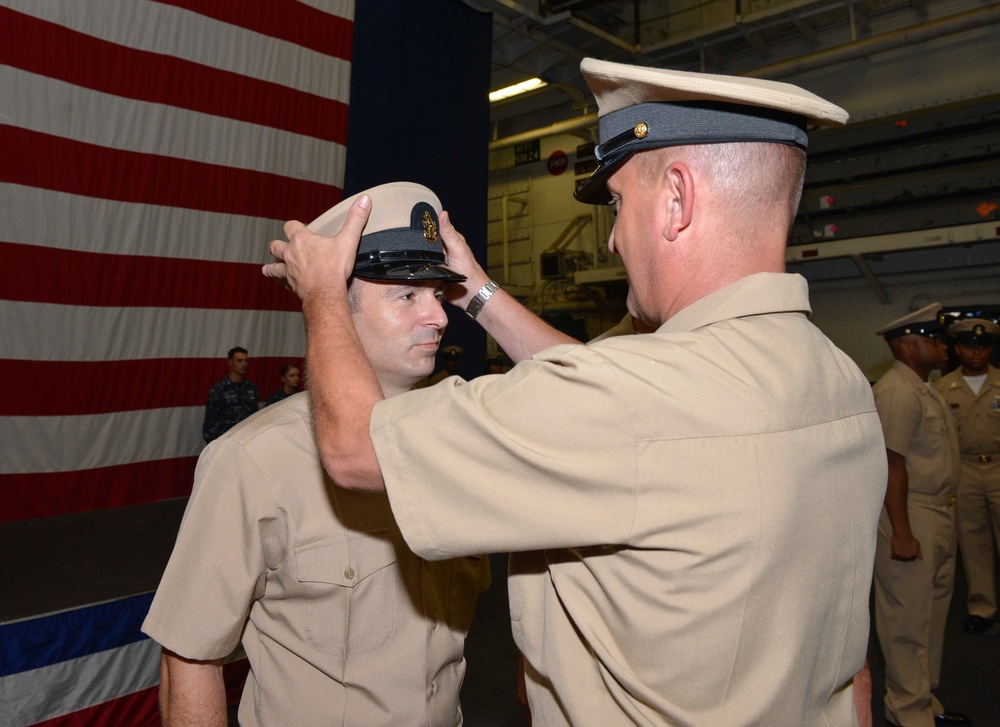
<point>753,295</point>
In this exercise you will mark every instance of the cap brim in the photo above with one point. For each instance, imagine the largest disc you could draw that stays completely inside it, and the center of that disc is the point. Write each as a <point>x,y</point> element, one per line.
<point>594,189</point>
<point>402,271</point>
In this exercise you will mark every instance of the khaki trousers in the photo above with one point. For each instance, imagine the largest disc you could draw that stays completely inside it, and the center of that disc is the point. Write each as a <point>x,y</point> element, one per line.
<point>911,605</point>
<point>977,508</point>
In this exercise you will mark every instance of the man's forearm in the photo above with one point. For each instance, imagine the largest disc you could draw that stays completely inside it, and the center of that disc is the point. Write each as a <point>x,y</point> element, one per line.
<point>343,391</point>
<point>192,693</point>
<point>896,492</point>
<point>518,331</point>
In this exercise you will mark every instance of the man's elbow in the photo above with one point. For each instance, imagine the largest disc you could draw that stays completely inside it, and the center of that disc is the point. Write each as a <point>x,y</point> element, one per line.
<point>351,472</point>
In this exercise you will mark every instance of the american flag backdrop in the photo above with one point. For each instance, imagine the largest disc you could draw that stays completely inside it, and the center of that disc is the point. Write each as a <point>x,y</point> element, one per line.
<point>148,152</point>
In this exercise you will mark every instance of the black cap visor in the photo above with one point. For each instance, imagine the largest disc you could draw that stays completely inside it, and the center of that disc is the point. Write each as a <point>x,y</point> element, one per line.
<point>594,189</point>
<point>934,330</point>
<point>970,338</point>
<point>402,265</point>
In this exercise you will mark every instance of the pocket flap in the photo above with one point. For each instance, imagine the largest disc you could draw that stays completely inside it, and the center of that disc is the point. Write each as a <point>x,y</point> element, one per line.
<point>345,562</point>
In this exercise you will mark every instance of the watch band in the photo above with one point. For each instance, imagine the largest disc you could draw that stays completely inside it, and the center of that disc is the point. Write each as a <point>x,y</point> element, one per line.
<point>477,303</point>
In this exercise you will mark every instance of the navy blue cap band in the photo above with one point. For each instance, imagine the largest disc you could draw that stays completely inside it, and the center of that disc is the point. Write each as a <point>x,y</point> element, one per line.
<point>658,124</point>
<point>930,329</point>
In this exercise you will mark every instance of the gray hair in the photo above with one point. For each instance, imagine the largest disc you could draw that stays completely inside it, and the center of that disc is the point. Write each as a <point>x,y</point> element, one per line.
<point>754,177</point>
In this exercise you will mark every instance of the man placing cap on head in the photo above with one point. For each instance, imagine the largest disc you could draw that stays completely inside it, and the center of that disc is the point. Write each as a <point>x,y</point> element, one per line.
<point>973,393</point>
<point>915,556</point>
<point>693,508</point>
<point>341,622</point>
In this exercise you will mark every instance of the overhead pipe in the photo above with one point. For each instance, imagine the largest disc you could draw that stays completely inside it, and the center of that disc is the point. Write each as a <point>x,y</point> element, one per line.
<point>560,127</point>
<point>969,20</point>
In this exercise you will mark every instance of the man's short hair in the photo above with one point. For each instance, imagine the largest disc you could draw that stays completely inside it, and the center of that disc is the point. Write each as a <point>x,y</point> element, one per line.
<point>237,349</point>
<point>754,177</point>
<point>288,367</point>
<point>353,295</point>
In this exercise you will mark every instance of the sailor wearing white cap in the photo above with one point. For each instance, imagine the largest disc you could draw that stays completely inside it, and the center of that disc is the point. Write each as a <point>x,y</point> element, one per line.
<point>915,555</point>
<point>973,393</point>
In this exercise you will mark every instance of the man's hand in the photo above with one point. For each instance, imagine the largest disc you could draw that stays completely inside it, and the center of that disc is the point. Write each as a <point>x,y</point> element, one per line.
<point>459,258</point>
<point>905,547</point>
<point>309,263</point>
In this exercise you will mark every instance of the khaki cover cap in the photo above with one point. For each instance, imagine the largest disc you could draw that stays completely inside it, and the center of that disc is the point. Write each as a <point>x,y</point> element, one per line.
<point>975,330</point>
<point>644,108</point>
<point>926,321</point>
<point>617,85</point>
<point>401,240</point>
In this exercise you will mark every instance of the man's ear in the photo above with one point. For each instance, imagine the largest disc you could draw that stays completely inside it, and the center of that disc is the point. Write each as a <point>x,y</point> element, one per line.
<point>680,199</point>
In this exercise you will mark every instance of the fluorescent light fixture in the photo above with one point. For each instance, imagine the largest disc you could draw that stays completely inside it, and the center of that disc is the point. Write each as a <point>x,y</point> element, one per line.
<point>530,85</point>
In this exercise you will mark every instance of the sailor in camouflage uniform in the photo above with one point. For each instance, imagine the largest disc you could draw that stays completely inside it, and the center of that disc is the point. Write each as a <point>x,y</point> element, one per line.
<point>231,400</point>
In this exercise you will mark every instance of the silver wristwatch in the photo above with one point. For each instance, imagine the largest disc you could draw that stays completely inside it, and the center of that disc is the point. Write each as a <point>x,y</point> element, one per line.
<point>477,303</point>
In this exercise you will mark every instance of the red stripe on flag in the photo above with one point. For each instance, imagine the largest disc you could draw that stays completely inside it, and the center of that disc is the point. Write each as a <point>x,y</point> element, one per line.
<point>38,274</point>
<point>48,49</point>
<point>291,21</point>
<point>52,162</point>
<point>44,494</point>
<point>74,388</point>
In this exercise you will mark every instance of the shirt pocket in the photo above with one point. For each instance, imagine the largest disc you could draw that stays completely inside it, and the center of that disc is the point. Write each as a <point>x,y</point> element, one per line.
<point>350,588</point>
<point>934,424</point>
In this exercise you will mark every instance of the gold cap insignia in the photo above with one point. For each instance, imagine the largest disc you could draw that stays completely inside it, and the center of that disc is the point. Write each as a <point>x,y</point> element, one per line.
<point>979,330</point>
<point>641,130</point>
<point>430,229</point>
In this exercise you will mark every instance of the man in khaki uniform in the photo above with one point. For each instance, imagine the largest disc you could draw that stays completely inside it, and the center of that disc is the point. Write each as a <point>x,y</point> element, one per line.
<point>694,508</point>
<point>341,622</point>
<point>915,557</point>
<point>973,393</point>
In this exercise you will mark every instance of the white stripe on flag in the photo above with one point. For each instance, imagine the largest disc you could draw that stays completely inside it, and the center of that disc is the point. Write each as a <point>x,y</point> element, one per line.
<point>36,216</point>
<point>29,697</point>
<point>150,128</point>
<point>99,440</point>
<point>48,332</point>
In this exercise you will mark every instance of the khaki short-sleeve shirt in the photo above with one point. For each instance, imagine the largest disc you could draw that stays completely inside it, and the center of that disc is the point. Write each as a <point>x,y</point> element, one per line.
<point>341,622</point>
<point>917,425</point>
<point>694,510</point>
<point>977,415</point>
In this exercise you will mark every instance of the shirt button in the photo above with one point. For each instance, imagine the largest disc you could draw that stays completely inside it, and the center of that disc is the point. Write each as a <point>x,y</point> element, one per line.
<point>349,573</point>
<point>434,625</point>
<point>434,688</point>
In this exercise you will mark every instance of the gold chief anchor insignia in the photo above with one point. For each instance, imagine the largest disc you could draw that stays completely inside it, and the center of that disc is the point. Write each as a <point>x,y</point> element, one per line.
<point>430,229</point>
